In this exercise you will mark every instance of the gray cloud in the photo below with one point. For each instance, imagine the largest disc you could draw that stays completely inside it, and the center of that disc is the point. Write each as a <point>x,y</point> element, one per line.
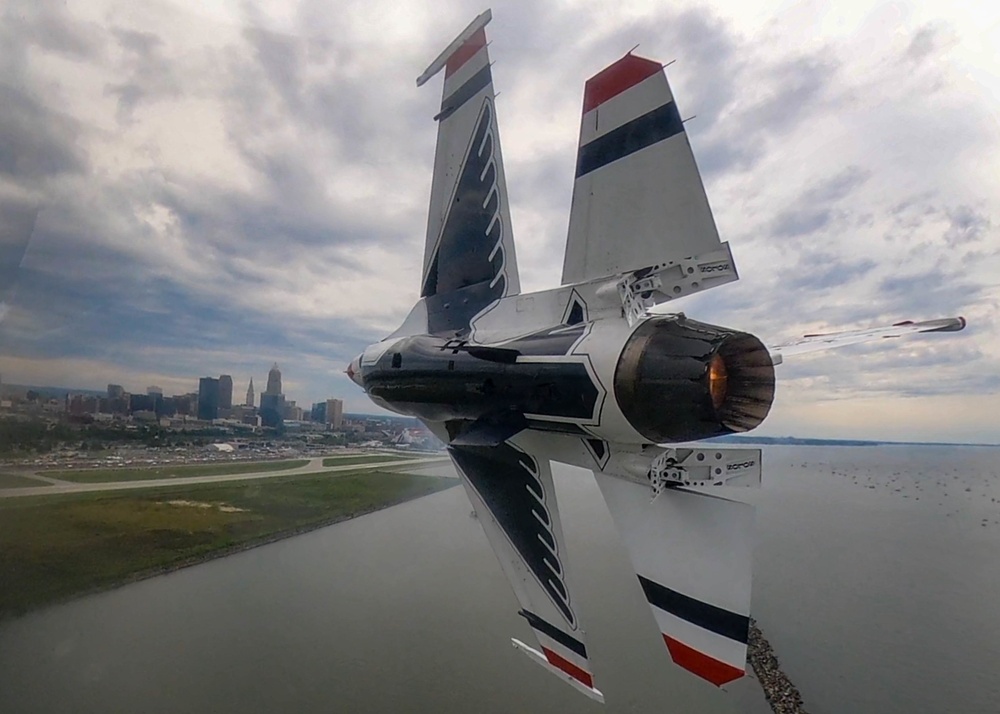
<point>932,291</point>
<point>17,225</point>
<point>47,24</point>
<point>800,222</point>
<point>795,87</point>
<point>813,211</point>
<point>330,146</point>
<point>839,186</point>
<point>967,226</point>
<point>35,141</point>
<point>821,270</point>
<point>147,72</point>
<point>924,42</point>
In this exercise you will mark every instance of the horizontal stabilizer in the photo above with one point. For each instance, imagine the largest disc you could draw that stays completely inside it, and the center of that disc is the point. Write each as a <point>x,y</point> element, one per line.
<point>512,492</point>
<point>831,340</point>
<point>693,555</point>
<point>638,199</point>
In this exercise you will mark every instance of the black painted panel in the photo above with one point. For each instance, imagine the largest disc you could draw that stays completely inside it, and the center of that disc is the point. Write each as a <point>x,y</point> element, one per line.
<point>657,125</point>
<point>444,379</point>
<point>454,101</point>
<point>557,340</point>
<point>507,480</point>
<point>712,618</point>
<point>546,628</point>
<point>460,281</point>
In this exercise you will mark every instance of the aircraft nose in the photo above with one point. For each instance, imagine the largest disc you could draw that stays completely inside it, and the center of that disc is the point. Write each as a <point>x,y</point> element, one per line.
<point>354,371</point>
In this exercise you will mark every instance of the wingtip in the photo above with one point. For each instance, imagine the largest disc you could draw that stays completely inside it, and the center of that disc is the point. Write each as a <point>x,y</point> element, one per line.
<point>587,688</point>
<point>954,324</point>
<point>441,60</point>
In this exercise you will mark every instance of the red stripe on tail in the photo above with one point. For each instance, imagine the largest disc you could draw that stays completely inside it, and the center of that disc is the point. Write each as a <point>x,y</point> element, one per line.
<point>715,671</point>
<point>580,675</point>
<point>615,79</point>
<point>466,52</point>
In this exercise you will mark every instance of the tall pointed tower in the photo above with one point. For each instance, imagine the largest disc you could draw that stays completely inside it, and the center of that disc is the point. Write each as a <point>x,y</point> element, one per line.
<point>273,380</point>
<point>249,401</point>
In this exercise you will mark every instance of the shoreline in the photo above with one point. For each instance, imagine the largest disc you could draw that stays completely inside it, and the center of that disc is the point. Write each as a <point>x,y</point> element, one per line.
<point>215,554</point>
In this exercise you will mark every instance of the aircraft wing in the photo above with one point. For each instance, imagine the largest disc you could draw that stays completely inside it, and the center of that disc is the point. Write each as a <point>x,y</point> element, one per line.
<point>830,340</point>
<point>512,493</point>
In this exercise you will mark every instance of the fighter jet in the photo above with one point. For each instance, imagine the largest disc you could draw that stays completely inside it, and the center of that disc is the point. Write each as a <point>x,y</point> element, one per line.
<point>588,373</point>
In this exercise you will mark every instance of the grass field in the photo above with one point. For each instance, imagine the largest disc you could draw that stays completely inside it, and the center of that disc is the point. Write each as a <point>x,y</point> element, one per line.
<point>15,481</point>
<point>53,547</point>
<point>177,471</point>
<point>367,459</point>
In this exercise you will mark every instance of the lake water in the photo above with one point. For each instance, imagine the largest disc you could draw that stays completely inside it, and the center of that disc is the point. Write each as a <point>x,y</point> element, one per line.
<point>877,580</point>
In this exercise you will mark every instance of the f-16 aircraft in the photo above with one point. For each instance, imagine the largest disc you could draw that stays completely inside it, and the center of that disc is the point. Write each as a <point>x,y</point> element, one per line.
<point>586,373</point>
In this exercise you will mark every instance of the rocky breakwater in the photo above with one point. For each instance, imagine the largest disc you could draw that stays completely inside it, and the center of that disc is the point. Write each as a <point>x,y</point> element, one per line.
<point>779,690</point>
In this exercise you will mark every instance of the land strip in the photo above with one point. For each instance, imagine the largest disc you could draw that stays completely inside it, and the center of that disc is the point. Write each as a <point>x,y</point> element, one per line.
<point>56,547</point>
<point>16,481</point>
<point>363,459</point>
<point>105,475</point>
<point>312,466</point>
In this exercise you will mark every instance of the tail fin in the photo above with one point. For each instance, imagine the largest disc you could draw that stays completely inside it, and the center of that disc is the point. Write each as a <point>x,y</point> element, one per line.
<point>693,555</point>
<point>469,261</point>
<point>638,200</point>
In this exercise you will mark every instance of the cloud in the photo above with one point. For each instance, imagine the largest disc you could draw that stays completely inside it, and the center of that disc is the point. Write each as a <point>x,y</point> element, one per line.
<point>926,41</point>
<point>47,24</point>
<point>17,226</point>
<point>820,271</point>
<point>186,193</point>
<point>37,142</point>
<point>146,72</point>
<point>967,226</point>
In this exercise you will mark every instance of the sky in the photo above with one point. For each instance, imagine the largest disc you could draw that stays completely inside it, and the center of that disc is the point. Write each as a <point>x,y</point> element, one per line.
<point>198,188</point>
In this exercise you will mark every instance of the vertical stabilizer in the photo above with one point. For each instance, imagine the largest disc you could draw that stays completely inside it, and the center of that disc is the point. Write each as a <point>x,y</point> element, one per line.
<point>469,261</point>
<point>693,554</point>
<point>638,200</point>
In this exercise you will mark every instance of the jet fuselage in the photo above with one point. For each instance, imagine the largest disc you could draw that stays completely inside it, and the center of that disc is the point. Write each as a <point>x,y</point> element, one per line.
<point>669,379</point>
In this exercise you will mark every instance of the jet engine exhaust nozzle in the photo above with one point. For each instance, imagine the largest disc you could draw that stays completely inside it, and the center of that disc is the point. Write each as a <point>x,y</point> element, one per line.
<point>682,380</point>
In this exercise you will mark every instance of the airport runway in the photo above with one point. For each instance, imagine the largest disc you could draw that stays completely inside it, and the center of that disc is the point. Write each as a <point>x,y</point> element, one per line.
<point>314,466</point>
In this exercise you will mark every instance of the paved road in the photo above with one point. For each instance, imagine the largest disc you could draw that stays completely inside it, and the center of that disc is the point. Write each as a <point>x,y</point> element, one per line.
<point>314,466</point>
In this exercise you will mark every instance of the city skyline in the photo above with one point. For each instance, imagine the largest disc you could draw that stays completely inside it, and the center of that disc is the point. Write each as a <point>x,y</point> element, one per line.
<point>115,390</point>
<point>172,216</point>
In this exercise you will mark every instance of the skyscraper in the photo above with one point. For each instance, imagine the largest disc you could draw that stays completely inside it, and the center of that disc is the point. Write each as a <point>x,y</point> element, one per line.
<point>225,391</point>
<point>273,380</point>
<point>335,413</point>
<point>208,398</point>
<point>250,401</point>
<point>272,410</point>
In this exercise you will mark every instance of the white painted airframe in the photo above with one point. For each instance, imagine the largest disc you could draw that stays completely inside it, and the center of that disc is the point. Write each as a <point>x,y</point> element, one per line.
<point>585,374</point>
